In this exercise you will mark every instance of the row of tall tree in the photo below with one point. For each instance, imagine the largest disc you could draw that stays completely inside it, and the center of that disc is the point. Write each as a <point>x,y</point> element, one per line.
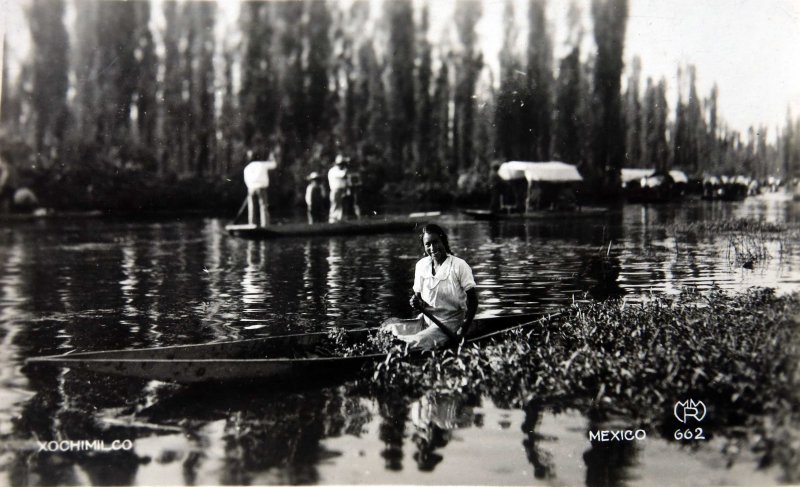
<point>170,92</point>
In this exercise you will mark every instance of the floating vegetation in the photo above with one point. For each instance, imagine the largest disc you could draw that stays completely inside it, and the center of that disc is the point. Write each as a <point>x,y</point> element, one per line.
<point>736,353</point>
<point>747,238</point>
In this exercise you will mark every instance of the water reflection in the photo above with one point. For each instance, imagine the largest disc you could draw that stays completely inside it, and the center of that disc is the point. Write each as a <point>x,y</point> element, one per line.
<point>434,417</point>
<point>609,463</point>
<point>66,286</point>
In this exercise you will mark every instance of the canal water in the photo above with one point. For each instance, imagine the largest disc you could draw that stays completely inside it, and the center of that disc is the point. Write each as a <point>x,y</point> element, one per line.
<point>97,284</point>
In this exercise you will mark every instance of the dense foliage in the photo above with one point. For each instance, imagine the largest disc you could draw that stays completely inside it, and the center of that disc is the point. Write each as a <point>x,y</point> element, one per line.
<point>736,353</point>
<point>179,91</point>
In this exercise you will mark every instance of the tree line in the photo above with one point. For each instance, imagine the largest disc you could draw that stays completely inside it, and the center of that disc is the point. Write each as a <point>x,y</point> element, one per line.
<point>142,104</point>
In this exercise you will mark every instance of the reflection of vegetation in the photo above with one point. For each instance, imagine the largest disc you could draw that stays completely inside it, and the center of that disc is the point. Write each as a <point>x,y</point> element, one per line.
<point>735,353</point>
<point>747,238</point>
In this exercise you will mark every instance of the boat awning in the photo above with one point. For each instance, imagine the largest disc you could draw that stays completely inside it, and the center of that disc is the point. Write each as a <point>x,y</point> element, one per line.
<point>550,172</point>
<point>634,174</point>
<point>679,176</point>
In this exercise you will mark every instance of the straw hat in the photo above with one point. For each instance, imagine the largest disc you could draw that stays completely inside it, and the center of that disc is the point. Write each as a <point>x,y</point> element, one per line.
<point>340,159</point>
<point>314,175</point>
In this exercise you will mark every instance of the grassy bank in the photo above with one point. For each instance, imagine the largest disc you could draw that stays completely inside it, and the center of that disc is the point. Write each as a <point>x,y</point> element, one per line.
<point>736,353</point>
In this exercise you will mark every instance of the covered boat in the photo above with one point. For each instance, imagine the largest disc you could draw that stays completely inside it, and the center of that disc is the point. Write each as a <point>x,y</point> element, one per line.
<point>646,185</point>
<point>533,186</point>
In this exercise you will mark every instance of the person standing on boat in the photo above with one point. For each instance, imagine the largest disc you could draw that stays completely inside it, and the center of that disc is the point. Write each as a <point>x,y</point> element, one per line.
<point>256,178</point>
<point>444,287</point>
<point>339,183</point>
<point>315,198</point>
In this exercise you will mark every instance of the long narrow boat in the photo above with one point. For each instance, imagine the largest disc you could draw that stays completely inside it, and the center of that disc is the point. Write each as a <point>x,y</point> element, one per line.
<point>536,215</point>
<point>365,226</point>
<point>285,357</point>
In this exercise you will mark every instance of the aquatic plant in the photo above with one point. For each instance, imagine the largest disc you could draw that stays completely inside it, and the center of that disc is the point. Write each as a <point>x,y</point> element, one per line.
<point>736,353</point>
<point>747,238</point>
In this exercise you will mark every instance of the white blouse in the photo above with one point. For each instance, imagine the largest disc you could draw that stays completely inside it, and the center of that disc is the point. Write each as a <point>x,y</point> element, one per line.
<point>447,290</point>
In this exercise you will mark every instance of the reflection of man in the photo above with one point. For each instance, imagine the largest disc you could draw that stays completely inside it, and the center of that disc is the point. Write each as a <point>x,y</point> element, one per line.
<point>339,185</point>
<point>495,188</point>
<point>256,178</point>
<point>5,187</point>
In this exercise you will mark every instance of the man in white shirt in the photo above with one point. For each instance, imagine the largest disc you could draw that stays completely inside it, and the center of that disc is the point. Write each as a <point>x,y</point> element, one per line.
<point>339,183</point>
<point>256,178</point>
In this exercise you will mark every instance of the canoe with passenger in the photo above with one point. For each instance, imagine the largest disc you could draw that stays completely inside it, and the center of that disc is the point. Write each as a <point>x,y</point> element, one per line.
<point>277,358</point>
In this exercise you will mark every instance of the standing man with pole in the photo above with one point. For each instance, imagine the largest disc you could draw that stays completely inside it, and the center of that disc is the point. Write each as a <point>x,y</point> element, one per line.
<point>256,178</point>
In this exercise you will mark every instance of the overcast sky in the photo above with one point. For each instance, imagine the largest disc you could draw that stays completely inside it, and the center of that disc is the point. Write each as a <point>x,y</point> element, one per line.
<point>751,48</point>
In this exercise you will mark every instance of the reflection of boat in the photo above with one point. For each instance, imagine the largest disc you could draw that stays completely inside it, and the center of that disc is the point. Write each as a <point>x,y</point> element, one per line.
<point>44,214</point>
<point>271,358</point>
<point>352,227</point>
<point>536,215</point>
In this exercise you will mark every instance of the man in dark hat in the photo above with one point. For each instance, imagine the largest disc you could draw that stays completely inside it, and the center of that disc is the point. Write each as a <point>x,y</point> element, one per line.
<point>315,198</point>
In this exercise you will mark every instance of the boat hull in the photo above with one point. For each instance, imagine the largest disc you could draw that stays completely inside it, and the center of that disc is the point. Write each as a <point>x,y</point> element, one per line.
<point>257,359</point>
<point>536,215</point>
<point>354,227</point>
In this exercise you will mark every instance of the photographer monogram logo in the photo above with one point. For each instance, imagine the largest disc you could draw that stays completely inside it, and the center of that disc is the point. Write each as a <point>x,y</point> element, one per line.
<point>685,411</point>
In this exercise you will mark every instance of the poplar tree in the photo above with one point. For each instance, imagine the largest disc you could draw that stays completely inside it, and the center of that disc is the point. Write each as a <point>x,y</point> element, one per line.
<point>424,156</point>
<point>569,134</point>
<point>146,80</point>
<point>509,101</point>
<point>633,117</point>
<point>260,95</point>
<point>538,105</point>
<point>401,56</point>
<point>318,58</point>
<point>655,122</point>
<point>49,72</point>
<point>610,18</point>
<point>468,68</point>
<point>116,78</point>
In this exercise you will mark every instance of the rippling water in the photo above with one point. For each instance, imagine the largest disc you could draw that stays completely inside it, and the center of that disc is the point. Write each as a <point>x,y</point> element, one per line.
<point>98,284</point>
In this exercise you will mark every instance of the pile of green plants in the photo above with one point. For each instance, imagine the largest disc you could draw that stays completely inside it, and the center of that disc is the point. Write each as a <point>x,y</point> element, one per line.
<point>736,353</point>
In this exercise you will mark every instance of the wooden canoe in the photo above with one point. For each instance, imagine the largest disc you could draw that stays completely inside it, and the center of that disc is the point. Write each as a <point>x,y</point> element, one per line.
<point>365,226</point>
<point>536,215</point>
<point>262,359</point>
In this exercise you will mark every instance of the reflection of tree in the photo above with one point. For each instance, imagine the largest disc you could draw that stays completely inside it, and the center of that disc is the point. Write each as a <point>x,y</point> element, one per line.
<point>541,461</point>
<point>314,275</point>
<point>277,434</point>
<point>603,273</point>
<point>608,462</point>
<point>394,413</point>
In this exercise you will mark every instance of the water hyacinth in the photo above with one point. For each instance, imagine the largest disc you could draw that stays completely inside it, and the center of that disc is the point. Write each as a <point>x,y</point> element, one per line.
<point>736,353</point>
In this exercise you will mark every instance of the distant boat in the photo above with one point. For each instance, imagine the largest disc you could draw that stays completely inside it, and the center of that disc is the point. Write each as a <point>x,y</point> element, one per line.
<point>646,186</point>
<point>537,215</point>
<point>350,227</point>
